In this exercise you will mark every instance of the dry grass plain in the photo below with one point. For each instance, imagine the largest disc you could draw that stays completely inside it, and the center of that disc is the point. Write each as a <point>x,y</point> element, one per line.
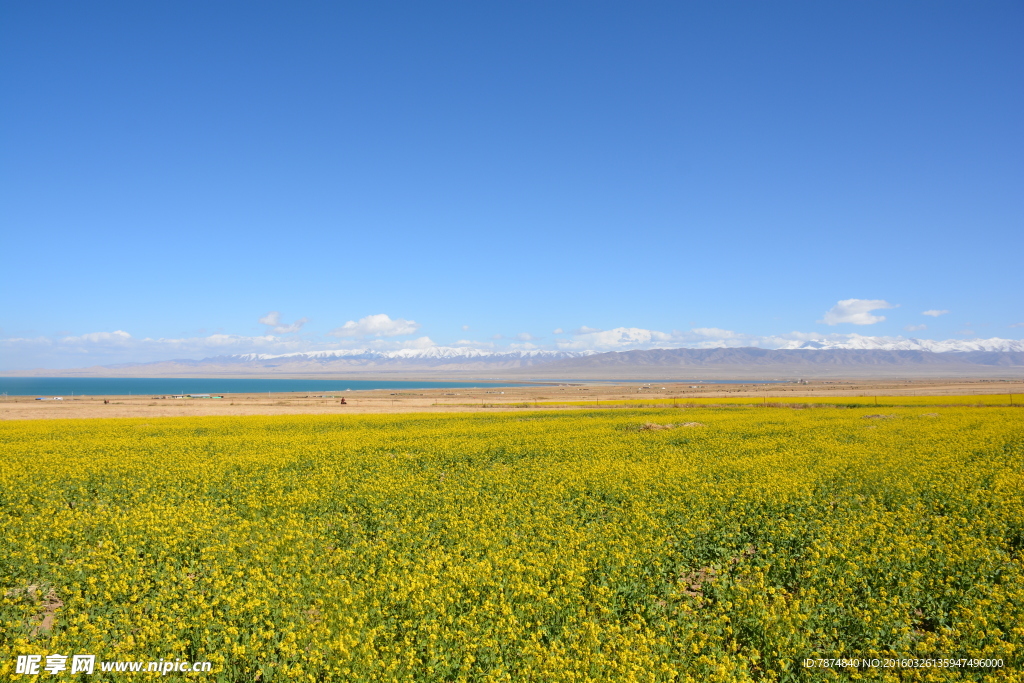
<point>490,398</point>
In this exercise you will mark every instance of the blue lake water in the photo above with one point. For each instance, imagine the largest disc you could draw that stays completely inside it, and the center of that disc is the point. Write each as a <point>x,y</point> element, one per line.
<point>162,386</point>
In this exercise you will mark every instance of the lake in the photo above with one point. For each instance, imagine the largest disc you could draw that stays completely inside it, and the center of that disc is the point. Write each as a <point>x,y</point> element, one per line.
<point>160,386</point>
<point>123,386</point>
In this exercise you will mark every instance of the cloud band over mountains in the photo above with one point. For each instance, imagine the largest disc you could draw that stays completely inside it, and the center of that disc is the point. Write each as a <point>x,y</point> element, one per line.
<point>856,312</point>
<point>100,348</point>
<point>381,333</point>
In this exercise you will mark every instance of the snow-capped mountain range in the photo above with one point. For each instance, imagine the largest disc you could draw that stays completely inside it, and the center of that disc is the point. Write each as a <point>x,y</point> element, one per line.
<point>889,344</point>
<point>459,353</point>
<point>746,358</point>
<point>429,353</point>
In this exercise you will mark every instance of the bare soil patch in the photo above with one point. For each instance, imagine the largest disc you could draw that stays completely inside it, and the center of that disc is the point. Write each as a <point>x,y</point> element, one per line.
<point>486,398</point>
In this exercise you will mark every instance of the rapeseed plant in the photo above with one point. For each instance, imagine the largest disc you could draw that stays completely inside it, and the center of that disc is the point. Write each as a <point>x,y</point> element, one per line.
<point>551,546</point>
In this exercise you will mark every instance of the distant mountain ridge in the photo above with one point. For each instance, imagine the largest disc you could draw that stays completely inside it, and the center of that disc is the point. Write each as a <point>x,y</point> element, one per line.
<point>430,360</point>
<point>858,342</point>
<point>438,353</point>
<point>989,357</point>
<point>431,353</point>
<point>753,356</point>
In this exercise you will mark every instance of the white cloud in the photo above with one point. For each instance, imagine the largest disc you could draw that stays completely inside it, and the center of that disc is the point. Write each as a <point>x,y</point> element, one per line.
<point>934,313</point>
<point>379,325</point>
<point>856,312</point>
<point>558,330</point>
<point>465,327</point>
<point>273,320</point>
<point>526,346</point>
<point>217,340</point>
<point>1017,325</point>
<point>101,348</point>
<point>626,338</point>
<point>713,332</point>
<point>618,338</point>
<point>472,343</point>
<point>526,336</point>
<point>27,341</point>
<point>915,328</point>
<point>288,329</point>
<point>104,348</point>
<point>99,338</point>
<point>418,343</point>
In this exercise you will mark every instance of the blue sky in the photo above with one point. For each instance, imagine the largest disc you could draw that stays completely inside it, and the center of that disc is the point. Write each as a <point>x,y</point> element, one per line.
<point>489,173</point>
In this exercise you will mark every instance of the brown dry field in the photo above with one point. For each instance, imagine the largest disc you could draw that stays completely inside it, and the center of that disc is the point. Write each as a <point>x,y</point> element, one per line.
<point>482,399</point>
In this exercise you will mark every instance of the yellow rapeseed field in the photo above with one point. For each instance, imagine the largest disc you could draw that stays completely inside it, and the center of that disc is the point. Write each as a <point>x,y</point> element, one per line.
<point>520,546</point>
<point>772,401</point>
